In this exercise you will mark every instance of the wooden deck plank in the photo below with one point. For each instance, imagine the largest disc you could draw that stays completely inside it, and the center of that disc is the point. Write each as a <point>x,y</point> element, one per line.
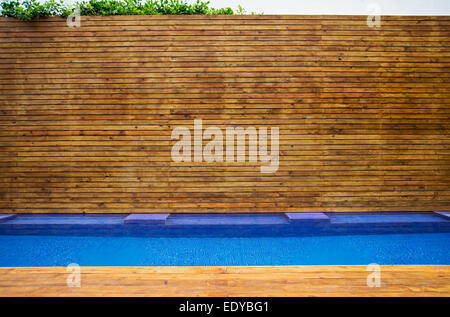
<point>396,280</point>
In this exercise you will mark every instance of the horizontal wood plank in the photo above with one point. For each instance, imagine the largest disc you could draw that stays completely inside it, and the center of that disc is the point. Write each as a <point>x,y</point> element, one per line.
<point>86,114</point>
<point>272,281</point>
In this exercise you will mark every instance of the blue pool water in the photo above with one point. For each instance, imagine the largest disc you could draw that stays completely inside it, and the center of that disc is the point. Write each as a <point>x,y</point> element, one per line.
<point>426,248</point>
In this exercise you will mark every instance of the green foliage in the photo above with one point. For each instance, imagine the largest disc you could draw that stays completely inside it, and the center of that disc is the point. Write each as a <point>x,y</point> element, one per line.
<point>29,9</point>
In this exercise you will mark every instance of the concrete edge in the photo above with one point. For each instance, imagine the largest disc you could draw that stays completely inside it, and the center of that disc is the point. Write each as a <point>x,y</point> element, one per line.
<point>444,214</point>
<point>146,218</point>
<point>306,216</point>
<point>5,217</point>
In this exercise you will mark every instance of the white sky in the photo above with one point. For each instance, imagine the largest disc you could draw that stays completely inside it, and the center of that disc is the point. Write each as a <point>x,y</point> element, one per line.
<point>388,7</point>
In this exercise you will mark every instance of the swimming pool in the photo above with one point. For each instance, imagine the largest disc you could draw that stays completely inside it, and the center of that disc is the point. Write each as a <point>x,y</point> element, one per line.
<point>426,248</point>
<point>225,239</point>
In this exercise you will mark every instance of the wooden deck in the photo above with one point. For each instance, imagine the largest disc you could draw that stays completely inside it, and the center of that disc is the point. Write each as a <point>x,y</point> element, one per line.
<point>408,280</point>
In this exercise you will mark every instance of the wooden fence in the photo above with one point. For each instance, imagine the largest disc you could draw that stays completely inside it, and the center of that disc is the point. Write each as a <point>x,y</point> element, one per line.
<point>86,114</point>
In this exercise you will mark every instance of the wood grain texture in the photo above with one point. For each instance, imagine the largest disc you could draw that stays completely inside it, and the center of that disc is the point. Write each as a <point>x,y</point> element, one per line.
<point>273,281</point>
<point>86,113</point>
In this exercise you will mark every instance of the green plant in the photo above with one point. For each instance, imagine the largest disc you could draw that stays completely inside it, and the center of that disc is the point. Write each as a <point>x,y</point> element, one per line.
<point>29,9</point>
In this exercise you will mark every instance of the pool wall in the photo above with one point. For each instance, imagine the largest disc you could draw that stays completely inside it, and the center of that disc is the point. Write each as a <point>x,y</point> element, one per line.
<point>232,225</point>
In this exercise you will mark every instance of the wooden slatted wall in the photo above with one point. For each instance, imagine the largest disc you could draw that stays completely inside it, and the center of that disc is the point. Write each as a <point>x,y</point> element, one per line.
<point>87,113</point>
